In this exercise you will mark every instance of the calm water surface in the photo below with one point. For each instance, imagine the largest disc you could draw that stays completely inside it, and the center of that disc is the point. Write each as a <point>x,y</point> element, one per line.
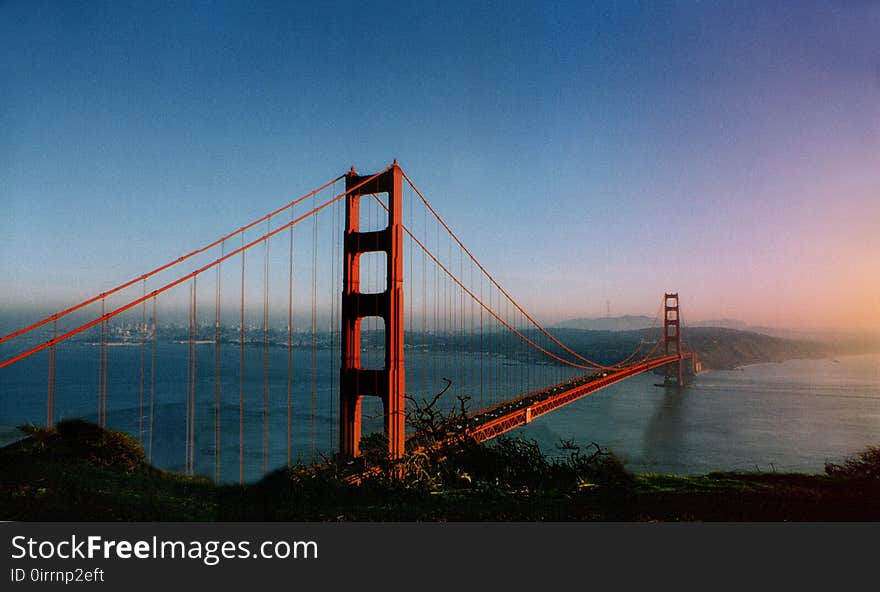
<point>791,416</point>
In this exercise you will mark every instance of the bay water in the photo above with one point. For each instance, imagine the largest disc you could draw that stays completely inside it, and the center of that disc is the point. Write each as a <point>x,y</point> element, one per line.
<point>790,416</point>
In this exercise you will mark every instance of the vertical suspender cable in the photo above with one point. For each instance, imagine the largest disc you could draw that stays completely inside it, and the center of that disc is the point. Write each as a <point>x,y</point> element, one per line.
<point>241,377</point>
<point>464,329</point>
<point>143,332</point>
<point>524,365</point>
<point>481,343</point>
<point>50,395</point>
<point>290,343</point>
<point>470,350</point>
<point>265,412</point>
<point>102,376</point>
<point>192,429</point>
<point>218,394</point>
<point>188,384</point>
<point>435,353</point>
<point>330,300</point>
<point>447,330</point>
<point>152,380</point>
<point>409,295</point>
<point>424,297</point>
<point>194,335</point>
<point>455,359</point>
<point>337,307</point>
<point>101,371</point>
<point>314,327</point>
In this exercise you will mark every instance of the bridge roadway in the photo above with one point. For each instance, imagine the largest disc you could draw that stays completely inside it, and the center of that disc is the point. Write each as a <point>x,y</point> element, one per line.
<point>493,421</point>
<point>503,417</point>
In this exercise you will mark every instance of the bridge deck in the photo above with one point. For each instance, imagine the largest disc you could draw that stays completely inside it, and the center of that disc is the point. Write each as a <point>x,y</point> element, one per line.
<point>494,421</point>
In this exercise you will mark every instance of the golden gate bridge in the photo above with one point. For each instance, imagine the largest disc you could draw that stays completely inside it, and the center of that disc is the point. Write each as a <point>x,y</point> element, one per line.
<point>363,267</point>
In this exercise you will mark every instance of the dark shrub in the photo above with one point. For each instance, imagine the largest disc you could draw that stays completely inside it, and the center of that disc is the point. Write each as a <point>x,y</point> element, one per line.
<point>88,441</point>
<point>508,462</point>
<point>76,438</point>
<point>864,466</point>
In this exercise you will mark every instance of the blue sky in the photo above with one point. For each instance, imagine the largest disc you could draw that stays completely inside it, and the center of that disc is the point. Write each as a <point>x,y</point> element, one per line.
<point>584,151</point>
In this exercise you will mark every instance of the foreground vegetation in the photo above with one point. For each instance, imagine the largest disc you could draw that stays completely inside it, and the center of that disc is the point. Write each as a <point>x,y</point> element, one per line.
<point>80,472</point>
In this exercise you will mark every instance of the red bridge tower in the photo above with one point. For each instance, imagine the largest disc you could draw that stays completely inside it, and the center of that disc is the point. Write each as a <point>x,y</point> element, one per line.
<point>388,383</point>
<point>672,338</point>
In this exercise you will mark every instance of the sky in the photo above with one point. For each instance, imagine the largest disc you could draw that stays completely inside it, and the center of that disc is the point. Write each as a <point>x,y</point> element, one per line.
<point>590,154</point>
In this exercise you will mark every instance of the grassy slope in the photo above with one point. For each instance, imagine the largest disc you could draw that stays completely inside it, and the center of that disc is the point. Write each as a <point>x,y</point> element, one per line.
<point>57,481</point>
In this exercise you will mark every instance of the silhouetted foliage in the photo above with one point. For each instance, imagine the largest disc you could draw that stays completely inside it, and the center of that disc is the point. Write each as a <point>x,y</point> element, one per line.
<point>79,471</point>
<point>863,466</point>
<point>510,463</point>
<point>441,457</point>
<point>84,440</point>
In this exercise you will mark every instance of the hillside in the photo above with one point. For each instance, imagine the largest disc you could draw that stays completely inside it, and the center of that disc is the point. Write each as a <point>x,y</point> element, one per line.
<point>717,347</point>
<point>728,348</point>
<point>80,472</point>
<point>624,323</point>
<point>635,322</point>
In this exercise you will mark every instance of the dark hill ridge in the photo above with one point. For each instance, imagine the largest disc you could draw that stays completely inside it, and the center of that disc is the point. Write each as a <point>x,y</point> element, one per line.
<point>624,323</point>
<point>717,347</point>
<point>728,348</point>
<point>634,322</point>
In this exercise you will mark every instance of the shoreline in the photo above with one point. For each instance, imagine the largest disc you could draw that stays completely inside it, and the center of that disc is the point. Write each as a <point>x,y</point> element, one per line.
<point>831,357</point>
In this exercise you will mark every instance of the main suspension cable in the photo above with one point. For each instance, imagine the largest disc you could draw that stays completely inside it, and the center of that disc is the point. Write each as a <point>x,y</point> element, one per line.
<point>105,316</point>
<point>537,325</point>
<point>161,268</point>
<point>592,365</point>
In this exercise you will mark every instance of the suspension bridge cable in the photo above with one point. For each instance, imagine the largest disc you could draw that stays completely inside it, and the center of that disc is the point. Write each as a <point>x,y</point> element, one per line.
<point>497,285</point>
<point>241,375</point>
<point>143,332</point>
<point>265,354</point>
<point>424,311</point>
<point>505,323</point>
<point>192,429</point>
<point>330,336</point>
<point>161,268</point>
<point>314,349</point>
<point>653,349</point>
<point>641,343</point>
<point>290,342</point>
<point>194,335</point>
<point>218,395</point>
<point>50,395</point>
<point>104,359</point>
<point>188,382</point>
<point>108,315</point>
<point>490,311</point>
<point>152,380</point>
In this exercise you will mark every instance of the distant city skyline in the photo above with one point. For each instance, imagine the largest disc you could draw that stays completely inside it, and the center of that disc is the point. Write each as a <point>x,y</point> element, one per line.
<point>586,154</point>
